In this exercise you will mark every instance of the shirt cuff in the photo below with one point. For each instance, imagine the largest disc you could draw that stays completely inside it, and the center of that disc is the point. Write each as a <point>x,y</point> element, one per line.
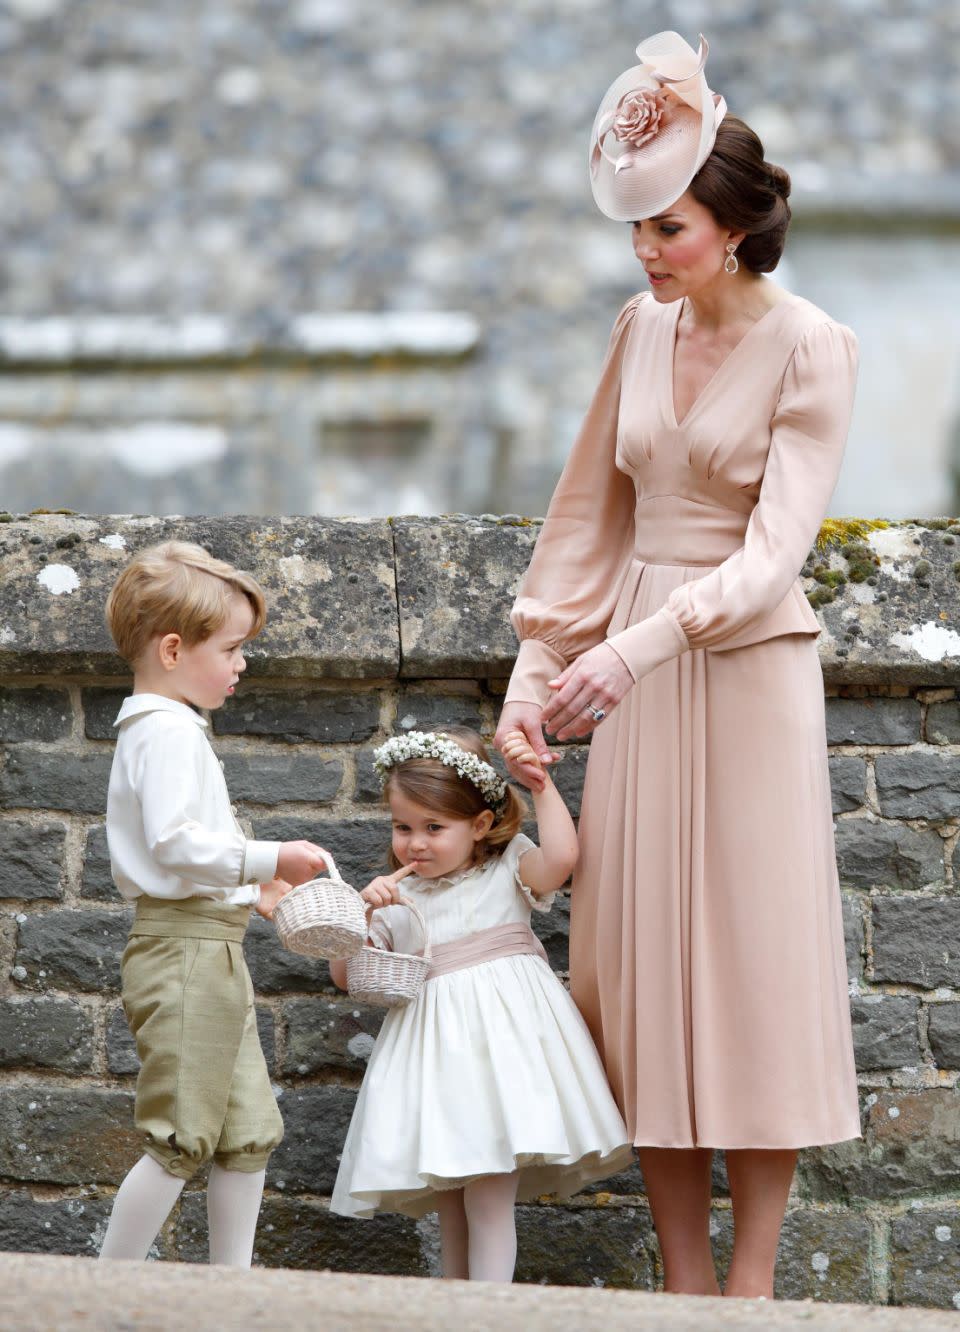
<point>260,862</point>
<point>645,646</point>
<point>536,664</point>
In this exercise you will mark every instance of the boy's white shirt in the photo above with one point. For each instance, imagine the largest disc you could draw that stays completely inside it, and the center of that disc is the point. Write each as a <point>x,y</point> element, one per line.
<point>171,828</point>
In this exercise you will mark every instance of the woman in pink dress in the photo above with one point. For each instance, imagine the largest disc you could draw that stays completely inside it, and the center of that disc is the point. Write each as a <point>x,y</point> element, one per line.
<point>662,611</point>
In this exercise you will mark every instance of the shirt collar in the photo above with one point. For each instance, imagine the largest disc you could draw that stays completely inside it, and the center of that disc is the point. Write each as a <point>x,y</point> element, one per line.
<point>445,880</point>
<point>138,704</point>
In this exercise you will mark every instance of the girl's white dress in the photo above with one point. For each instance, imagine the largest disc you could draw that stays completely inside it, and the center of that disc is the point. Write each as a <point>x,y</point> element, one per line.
<point>490,1070</point>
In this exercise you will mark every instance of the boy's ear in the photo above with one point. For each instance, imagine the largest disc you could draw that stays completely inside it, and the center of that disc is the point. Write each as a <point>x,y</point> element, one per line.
<point>482,824</point>
<point>168,650</point>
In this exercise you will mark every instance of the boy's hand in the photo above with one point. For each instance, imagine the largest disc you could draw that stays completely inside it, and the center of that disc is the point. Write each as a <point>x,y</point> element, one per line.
<point>298,862</point>
<point>384,890</point>
<point>270,895</point>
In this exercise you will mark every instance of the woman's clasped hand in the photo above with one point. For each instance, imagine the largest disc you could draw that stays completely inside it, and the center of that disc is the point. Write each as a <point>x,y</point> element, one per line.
<point>594,683</point>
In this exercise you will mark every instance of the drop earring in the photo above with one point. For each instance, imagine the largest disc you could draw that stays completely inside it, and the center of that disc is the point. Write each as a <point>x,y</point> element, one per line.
<point>731,264</point>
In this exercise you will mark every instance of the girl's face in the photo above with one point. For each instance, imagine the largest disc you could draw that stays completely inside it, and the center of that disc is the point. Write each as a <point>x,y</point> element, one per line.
<point>435,844</point>
<point>682,249</point>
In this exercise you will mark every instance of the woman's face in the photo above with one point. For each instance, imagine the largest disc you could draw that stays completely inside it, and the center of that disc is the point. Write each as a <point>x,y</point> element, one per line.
<point>682,249</point>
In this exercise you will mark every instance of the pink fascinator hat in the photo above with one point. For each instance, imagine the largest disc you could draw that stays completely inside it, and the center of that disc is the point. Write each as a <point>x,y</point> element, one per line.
<point>655,128</point>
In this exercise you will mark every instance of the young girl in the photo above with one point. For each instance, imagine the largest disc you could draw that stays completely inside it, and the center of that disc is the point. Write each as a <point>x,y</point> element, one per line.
<point>488,1087</point>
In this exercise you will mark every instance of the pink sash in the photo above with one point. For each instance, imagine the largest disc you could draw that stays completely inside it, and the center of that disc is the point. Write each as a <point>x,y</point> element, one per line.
<point>485,946</point>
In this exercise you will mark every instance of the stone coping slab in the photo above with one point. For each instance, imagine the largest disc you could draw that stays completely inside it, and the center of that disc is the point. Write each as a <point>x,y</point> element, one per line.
<point>57,341</point>
<point>330,590</point>
<point>44,1292</point>
<point>429,598</point>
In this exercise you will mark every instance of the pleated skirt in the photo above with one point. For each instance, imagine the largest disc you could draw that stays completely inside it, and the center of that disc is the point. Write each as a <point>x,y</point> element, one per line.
<point>706,949</point>
<point>490,1070</point>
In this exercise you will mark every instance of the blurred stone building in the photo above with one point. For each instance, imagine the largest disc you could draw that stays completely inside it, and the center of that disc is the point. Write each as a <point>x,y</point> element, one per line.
<point>341,256</point>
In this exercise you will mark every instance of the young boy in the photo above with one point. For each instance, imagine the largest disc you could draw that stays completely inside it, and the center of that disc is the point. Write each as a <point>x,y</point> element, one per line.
<point>181,618</point>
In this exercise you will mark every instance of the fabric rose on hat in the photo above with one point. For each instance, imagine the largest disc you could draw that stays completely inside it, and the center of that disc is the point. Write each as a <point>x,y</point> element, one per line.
<point>638,117</point>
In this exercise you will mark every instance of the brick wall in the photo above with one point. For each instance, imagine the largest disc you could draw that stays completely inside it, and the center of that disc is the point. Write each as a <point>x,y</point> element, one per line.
<point>873,1220</point>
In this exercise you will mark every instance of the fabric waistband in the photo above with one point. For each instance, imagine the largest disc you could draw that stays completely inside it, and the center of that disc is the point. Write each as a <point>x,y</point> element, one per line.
<point>511,940</point>
<point>189,918</point>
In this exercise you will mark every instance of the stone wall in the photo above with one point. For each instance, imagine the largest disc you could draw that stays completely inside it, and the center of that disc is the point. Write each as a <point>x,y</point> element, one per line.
<point>378,627</point>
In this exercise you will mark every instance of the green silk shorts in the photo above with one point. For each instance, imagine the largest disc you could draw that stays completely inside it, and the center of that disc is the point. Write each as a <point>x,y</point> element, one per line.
<point>204,1091</point>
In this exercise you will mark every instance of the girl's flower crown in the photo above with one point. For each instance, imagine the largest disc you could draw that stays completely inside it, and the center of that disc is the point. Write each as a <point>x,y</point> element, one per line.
<point>437,745</point>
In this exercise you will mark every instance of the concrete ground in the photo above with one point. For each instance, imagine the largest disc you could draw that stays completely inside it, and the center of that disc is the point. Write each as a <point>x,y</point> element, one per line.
<point>51,1293</point>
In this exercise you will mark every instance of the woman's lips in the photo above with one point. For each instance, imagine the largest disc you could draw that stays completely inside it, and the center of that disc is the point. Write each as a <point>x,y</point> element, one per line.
<point>657,279</point>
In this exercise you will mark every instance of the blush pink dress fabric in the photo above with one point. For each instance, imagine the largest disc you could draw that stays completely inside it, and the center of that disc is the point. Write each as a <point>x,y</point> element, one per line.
<point>706,944</point>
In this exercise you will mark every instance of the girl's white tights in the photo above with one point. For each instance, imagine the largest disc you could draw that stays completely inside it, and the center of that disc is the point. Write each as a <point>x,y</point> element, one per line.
<point>144,1200</point>
<point>478,1231</point>
<point>142,1204</point>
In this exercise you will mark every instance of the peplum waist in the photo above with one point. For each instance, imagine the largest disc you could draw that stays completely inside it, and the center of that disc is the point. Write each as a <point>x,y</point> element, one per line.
<point>648,585</point>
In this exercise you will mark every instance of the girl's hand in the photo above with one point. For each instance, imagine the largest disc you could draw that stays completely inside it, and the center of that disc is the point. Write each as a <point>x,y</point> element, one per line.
<point>384,890</point>
<point>517,749</point>
<point>599,679</point>
<point>525,718</point>
<point>270,895</point>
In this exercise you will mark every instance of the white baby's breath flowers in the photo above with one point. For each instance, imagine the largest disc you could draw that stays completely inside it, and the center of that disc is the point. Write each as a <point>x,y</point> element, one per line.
<point>436,745</point>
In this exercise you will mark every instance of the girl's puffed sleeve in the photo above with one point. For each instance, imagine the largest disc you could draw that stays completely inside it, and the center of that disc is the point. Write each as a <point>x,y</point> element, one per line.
<point>808,433</point>
<point>570,589</point>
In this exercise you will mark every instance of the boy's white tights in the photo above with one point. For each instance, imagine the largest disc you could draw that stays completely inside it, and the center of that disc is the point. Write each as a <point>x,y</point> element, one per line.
<point>144,1200</point>
<point>478,1231</point>
<point>233,1205</point>
<point>142,1204</point>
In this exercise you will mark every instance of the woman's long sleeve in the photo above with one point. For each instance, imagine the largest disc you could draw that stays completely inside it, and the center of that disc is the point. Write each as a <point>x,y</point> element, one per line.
<point>570,589</point>
<point>808,433</point>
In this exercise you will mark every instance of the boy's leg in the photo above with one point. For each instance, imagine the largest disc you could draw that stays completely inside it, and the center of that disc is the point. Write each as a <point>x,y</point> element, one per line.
<point>492,1227</point>
<point>142,1204</point>
<point>233,1205</point>
<point>453,1234</point>
<point>252,1127</point>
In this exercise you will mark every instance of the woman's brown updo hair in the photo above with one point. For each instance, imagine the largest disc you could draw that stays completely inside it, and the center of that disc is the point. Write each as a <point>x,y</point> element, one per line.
<point>745,193</point>
<point>432,784</point>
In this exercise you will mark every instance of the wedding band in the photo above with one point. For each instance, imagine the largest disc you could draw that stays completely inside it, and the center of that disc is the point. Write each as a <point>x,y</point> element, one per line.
<point>597,714</point>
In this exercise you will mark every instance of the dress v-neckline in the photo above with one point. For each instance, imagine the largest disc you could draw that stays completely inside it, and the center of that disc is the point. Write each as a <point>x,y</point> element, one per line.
<point>679,423</point>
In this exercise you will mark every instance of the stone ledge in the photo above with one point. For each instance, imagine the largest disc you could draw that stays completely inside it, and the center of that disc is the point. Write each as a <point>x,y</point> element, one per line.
<point>429,598</point>
<point>330,586</point>
<point>41,1292</point>
<point>57,341</point>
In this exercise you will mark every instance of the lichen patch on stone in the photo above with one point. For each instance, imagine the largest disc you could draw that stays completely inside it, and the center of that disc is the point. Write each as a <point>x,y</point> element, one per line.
<point>931,641</point>
<point>115,541</point>
<point>58,578</point>
<point>894,544</point>
<point>293,567</point>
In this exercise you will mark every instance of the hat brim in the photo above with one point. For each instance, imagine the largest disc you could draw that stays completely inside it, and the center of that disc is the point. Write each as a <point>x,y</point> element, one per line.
<point>664,167</point>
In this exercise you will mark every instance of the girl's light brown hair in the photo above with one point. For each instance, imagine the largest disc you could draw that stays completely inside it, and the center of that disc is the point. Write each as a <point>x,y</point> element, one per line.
<point>176,588</point>
<point>430,783</point>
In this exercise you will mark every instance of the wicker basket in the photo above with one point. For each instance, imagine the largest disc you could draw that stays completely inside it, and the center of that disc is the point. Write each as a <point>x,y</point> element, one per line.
<point>377,976</point>
<point>323,918</point>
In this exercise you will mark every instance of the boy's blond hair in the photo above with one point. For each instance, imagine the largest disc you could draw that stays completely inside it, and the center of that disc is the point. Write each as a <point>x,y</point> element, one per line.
<point>176,588</point>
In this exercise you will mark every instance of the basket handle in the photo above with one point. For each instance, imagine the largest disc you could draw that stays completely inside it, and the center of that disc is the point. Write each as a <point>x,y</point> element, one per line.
<point>411,906</point>
<point>331,865</point>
